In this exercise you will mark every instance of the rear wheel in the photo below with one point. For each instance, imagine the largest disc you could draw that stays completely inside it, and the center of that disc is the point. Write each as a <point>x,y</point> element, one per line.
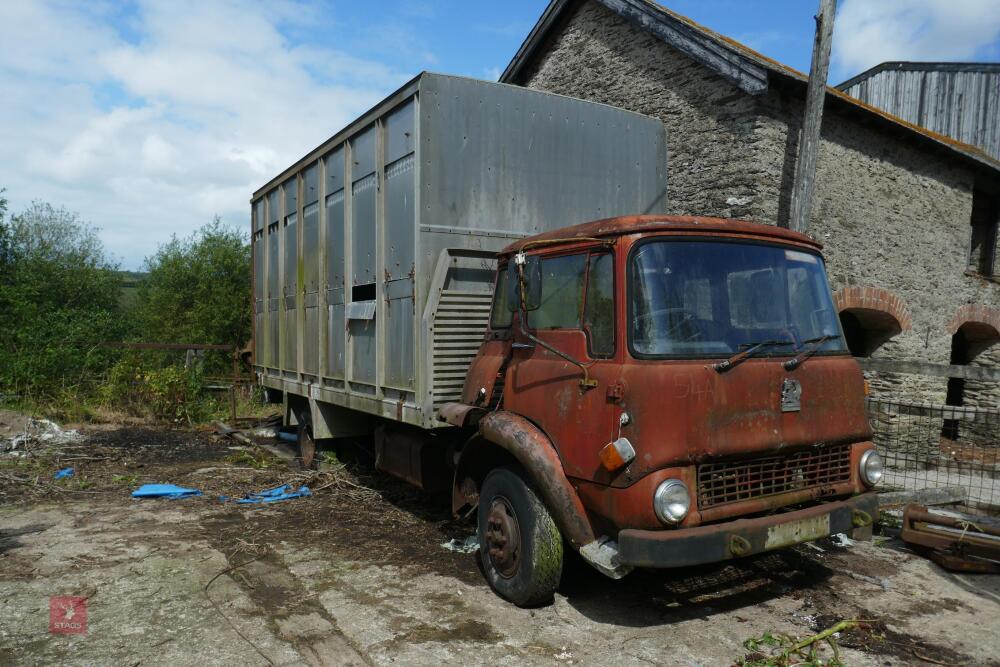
<point>306,445</point>
<point>520,546</point>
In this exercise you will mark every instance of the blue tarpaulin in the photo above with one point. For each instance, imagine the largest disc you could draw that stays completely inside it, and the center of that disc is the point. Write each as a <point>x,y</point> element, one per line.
<point>64,473</point>
<point>278,493</point>
<point>164,491</point>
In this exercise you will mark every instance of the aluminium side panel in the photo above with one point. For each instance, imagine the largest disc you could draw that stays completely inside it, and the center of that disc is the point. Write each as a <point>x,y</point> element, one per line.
<point>416,196</point>
<point>274,314</point>
<point>502,162</point>
<point>289,280</point>
<point>308,274</point>
<point>336,352</point>
<point>499,163</point>
<point>399,229</point>
<point>362,327</point>
<point>259,254</point>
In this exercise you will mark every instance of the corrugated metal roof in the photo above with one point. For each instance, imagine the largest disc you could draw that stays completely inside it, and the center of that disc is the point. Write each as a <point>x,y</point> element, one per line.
<point>961,100</point>
<point>732,60</point>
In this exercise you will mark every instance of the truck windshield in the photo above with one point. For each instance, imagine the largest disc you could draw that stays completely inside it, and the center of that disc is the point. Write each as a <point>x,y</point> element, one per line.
<point>716,298</point>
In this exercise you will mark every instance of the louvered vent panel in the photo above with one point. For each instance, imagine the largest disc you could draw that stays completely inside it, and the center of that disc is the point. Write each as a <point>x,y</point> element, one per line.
<point>459,325</point>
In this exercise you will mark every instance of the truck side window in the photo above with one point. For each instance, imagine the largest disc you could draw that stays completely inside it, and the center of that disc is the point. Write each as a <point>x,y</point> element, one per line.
<point>599,313</point>
<point>500,316</point>
<point>562,293</point>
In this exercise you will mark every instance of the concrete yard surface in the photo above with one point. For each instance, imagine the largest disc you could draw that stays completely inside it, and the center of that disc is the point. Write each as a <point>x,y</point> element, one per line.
<point>356,575</point>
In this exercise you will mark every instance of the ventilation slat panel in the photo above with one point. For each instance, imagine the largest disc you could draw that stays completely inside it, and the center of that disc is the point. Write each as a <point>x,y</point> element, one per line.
<point>460,323</point>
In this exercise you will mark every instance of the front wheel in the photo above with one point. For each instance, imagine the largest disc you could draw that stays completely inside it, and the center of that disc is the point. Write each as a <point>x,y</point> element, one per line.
<point>520,546</point>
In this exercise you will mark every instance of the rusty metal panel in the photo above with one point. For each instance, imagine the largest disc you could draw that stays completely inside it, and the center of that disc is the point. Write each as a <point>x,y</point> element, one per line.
<point>956,541</point>
<point>412,457</point>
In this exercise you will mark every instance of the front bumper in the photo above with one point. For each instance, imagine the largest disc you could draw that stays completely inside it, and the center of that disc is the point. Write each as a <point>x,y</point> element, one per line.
<point>744,537</point>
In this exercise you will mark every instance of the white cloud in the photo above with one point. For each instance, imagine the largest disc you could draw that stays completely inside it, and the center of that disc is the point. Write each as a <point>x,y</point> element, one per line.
<point>176,115</point>
<point>869,32</point>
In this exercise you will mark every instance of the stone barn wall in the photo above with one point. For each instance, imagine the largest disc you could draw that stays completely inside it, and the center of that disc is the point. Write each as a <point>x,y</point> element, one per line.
<point>892,213</point>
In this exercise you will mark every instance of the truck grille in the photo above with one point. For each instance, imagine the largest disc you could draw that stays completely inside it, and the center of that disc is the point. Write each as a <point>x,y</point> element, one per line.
<point>749,479</point>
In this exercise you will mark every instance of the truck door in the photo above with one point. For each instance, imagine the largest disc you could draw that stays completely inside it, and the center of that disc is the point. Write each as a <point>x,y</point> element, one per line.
<point>577,317</point>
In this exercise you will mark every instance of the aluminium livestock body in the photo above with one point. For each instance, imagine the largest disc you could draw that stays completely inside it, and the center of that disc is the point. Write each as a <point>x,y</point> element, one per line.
<point>374,255</point>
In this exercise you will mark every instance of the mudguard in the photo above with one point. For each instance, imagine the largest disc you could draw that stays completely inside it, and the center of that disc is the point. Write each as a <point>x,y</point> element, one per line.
<point>532,449</point>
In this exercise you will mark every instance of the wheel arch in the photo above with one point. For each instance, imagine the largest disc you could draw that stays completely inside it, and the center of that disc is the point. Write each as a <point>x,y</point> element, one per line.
<point>504,438</point>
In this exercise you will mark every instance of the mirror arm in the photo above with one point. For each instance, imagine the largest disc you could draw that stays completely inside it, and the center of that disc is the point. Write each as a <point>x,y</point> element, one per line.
<point>586,382</point>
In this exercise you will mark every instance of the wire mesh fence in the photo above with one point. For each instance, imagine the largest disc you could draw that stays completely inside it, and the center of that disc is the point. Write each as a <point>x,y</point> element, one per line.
<point>927,446</point>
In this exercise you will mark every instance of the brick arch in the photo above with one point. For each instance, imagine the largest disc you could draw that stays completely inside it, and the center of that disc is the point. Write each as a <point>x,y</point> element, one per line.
<point>869,299</point>
<point>972,313</point>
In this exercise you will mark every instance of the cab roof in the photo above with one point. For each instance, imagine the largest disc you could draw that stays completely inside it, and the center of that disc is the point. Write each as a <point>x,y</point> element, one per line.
<point>633,224</point>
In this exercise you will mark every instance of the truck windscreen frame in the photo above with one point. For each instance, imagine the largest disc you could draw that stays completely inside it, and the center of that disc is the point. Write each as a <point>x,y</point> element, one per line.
<point>706,298</point>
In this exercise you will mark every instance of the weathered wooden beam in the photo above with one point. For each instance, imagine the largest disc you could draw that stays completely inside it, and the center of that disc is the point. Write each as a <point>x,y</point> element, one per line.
<point>942,495</point>
<point>805,165</point>
<point>914,367</point>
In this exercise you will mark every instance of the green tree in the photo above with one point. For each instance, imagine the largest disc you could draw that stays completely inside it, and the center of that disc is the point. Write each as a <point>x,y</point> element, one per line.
<point>197,289</point>
<point>59,297</point>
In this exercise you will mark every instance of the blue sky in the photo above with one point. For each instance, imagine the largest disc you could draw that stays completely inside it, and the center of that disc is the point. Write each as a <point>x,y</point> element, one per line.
<point>148,117</point>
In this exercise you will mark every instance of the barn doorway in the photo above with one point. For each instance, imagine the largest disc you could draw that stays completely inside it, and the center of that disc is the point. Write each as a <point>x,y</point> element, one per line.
<point>971,340</point>
<point>866,329</point>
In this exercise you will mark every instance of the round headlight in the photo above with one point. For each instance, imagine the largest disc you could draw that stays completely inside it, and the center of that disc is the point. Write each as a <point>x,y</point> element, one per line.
<point>871,468</point>
<point>671,501</point>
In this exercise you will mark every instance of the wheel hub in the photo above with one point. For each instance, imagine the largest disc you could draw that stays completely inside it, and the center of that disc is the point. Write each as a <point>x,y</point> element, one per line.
<point>503,537</point>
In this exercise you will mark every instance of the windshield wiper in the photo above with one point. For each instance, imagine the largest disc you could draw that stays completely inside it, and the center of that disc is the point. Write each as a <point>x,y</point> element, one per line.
<point>805,353</point>
<point>724,366</point>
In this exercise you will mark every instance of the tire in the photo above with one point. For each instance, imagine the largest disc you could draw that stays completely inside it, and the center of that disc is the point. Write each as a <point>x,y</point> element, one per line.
<point>520,547</point>
<point>306,447</point>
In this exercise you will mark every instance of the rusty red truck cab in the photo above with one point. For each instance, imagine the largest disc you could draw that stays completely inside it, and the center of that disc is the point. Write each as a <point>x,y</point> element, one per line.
<point>669,391</point>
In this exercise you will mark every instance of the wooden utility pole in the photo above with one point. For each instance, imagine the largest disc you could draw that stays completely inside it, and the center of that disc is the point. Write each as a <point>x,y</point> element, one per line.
<point>805,164</point>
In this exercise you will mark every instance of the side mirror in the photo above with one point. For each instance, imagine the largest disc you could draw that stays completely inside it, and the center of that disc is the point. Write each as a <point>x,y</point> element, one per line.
<point>532,284</point>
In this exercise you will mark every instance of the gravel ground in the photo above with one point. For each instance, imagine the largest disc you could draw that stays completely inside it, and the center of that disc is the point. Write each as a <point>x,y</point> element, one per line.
<point>356,574</point>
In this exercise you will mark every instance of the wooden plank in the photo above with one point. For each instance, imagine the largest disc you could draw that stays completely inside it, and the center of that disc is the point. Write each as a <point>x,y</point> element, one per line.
<point>942,495</point>
<point>805,165</point>
<point>914,367</point>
